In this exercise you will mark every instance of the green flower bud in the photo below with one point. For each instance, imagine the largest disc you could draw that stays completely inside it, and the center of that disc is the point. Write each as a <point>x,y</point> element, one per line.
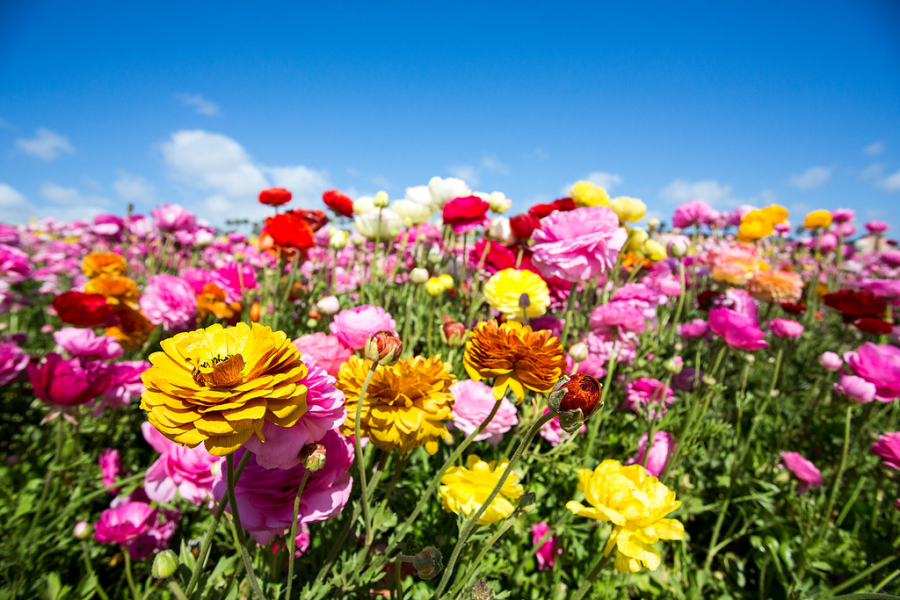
<point>428,563</point>
<point>164,565</point>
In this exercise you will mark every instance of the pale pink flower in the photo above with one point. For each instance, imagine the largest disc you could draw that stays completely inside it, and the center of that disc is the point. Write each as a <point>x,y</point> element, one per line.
<point>188,471</point>
<point>578,245</point>
<point>354,326</point>
<point>473,402</point>
<point>84,343</point>
<point>330,353</point>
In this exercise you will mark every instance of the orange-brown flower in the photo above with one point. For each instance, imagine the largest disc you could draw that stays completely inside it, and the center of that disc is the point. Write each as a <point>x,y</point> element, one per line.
<point>515,357</point>
<point>109,264</point>
<point>776,287</point>
<point>132,329</point>
<point>212,301</point>
<point>118,290</point>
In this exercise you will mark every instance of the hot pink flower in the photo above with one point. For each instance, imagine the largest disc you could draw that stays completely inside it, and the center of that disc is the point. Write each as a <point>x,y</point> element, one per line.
<point>126,382</point>
<point>786,328</point>
<point>738,331</point>
<point>883,288</point>
<point>831,361</point>
<point>618,319</point>
<point>14,264</point>
<point>806,473</point>
<point>646,392</point>
<point>353,326</point>
<point>466,213</point>
<point>473,402</point>
<point>695,212</point>
<point>234,279</point>
<point>110,468</point>
<point>888,448</point>
<point>842,215</point>
<point>578,245</point>
<point>876,226</point>
<point>172,217</point>
<point>855,388</point>
<point>189,471</point>
<point>663,446</point>
<point>692,329</point>
<point>330,353</point>
<point>549,550</point>
<point>879,365</point>
<point>124,523</point>
<point>13,361</point>
<point>68,382</point>
<point>169,301</point>
<point>84,343</point>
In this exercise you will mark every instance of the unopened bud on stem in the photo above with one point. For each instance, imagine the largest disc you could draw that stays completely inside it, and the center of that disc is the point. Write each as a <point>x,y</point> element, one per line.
<point>384,348</point>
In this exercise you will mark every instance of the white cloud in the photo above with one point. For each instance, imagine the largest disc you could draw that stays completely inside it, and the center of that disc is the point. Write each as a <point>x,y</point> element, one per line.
<point>681,190</point>
<point>68,204</point>
<point>201,105</point>
<point>872,171</point>
<point>46,145</point>
<point>467,173</point>
<point>305,184</point>
<point>874,148</point>
<point>14,207</point>
<point>70,197</point>
<point>9,197</point>
<point>891,183</point>
<point>811,178</point>
<point>134,188</point>
<point>492,165</point>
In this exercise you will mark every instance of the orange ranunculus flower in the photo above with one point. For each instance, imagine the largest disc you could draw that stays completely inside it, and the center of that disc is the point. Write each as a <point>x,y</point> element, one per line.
<point>118,290</point>
<point>132,328</point>
<point>212,301</point>
<point>104,264</point>
<point>776,287</point>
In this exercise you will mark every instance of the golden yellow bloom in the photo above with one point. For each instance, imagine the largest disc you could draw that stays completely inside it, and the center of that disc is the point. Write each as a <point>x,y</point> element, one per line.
<point>585,193</point>
<point>116,289</point>
<point>435,286</point>
<point>465,489</point>
<point>406,405</point>
<point>635,503</point>
<point>97,264</point>
<point>132,329</point>
<point>504,290</point>
<point>817,219</point>
<point>515,357</point>
<point>654,250</point>
<point>628,209</point>
<point>776,287</point>
<point>757,224</point>
<point>220,385</point>
<point>637,237</point>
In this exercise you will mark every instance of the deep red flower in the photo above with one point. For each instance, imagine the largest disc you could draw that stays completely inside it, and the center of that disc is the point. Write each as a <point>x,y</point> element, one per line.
<point>793,308</point>
<point>316,219</point>
<point>83,310</point>
<point>855,304</point>
<point>68,382</point>
<point>498,257</point>
<point>339,202</point>
<point>465,214</point>
<point>523,225</point>
<point>275,196</point>
<point>564,204</point>
<point>582,391</point>
<point>539,211</point>
<point>705,298</point>
<point>290,231</point>
<point>870,325</point>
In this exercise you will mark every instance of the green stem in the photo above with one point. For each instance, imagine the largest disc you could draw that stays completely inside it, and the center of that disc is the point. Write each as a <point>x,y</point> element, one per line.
<point>357,445</point>
<point>464,581</point>
<point>836,484</point>
<point>853,580</point>
<point>592,577</point>
<point>176,589</point>
<point>680,307</point>
<point>238,528</point>
<point>292,542</point>
<point>129,576</point>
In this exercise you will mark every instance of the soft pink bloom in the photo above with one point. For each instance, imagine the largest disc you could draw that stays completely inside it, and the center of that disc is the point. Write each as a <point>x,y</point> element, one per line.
<point>605,347</point>
<point>169,301</point>
<point>14,264</point>
<point>844,230</point>
<point>877,226</point>
<point>188,471</point>
<point>126,382</point>
<point>68,382</point>
<point>883,288</point>
<point>618,319</point>
<point>738,331</point>
<point>786,328</point>
<point>466,213</point>
<point>678,245</point>
<point>330,353</point>
<point>472,403</point>
<point>578,245</point>
<point>663,446</point>
<point>84,343</point>
<point>265,497</point>
<point>879,365</point>
<point>13,361</point>
<point>549,550</point>
<point>354,326</point>
<point>695,212</point>
<point>855,388</point>
<point>108,226</point>
<point>124,523</point>
<point>842,215</point>
<point>646,392</point>
<point>172,217</point>
<point>831,361</point>
<point>662,278</point>
<point>324,412</point>
<point>110,468</point>
<point>888,448</point>
<point>553,432</point>
<point>806,473</point>
<point>692,329</point>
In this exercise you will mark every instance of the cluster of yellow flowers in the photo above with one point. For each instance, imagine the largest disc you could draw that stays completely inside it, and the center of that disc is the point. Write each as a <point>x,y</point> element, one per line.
<point>435,286</point>
<point>759,223</point>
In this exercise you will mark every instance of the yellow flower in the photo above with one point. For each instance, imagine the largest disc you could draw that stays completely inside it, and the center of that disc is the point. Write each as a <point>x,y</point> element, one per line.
<point>759,223</point>
<point>628,209</point>
<point>637,237</point>
<point>505,288</point>
<point>220,385</point>
<point>110,264</point>
<point>465,489</point>
<point>585,193</point>
<point>636,503</point>
<point>654,250</point>
<point>817,219</point>
<point>435,286</point>
<point>406,405</point>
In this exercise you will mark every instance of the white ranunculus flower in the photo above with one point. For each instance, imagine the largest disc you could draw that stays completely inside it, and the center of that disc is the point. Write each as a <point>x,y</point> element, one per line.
<point>500,231</point>
<point>411,212</point>
<point>499,202</point>
<point>420,194</point>
<point>363,204</point>
<point>367,224</point>
<point>445,190</point>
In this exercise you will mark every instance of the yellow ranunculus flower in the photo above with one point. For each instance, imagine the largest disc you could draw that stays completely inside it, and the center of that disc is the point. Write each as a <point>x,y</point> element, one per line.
<point>220,385</point>
<point>585,193</point>
<point>110,264</point>
<point>628,209</point>
<point>435,286</point>
<point>465,489</point>
<point>637,237</point>
<point>776,213</point>
<point>817,219</point>
<point>406,404</point>
<point>654,250</point>
<point>636,503</point>
<point>759,223</point>
<point>504,290</point>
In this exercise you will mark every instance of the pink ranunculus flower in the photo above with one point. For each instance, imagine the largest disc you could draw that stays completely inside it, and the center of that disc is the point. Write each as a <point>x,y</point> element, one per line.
<point>618,319</point>
<point>738,331</point>
<point>172,217</point>
<point>740,301</point>
<point>842,215</point>
<point>806,473</point>
<point>553,432</point>
<point>13,360</point>
<point>578,245</point>
<point>328,350</point>
<point>876,226</point>
<point>786,328</point>
<point>324,412</point>
<point>169,301</point>
<point>663,446</point>
<point>883,288</point>
<point>157,536</point>
<point>110,468</point>
<point>879,365</point>
<point>855,388</point>
<point>265,497</point>
<point>831,361</point>
<point>549,550</point>
<point>84,343</point>
<point>61,382</point>
<point>606,347</point>
<point>124,523</point>
<point>692,329</point>
<point>694,212</point>
<point>354,326</point>
<point>888,448</point>
<point>234,279</point>
<point>14,264</point>
<point>126,382</point>
<point>647,393</point>
<point>472,403</point>
<point>188,471</point>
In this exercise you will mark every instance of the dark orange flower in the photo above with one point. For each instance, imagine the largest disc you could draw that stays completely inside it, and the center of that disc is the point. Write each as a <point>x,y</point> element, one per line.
<point>109,264</point>
<point>132,329</point>
<point>116,289</point>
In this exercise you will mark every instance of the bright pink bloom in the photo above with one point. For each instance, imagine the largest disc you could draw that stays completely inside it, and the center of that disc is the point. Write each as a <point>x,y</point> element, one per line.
<point>110,468</point>
<point>234,279</point>
<point>549,550</point>
<point>553,432</point>
<point>695,212</point>
<point>637,291</point>
<point>855,388</point>
<point>354,326</point>
<point>618,319</point>
<point>124,523</point>
<point>883,288</point>
<point>330,353</point>
<point>14,264</point>
<point>13,361</point>
<point>879,365</point>
<point>157,536</point>
<point>831,361</point>
<point>877,226</point>
<point>172,217</point>
<point>84,343</point>
<point>663,446</point>
<point>842,215</point>
<point>472,404</point>
<point>738,300</point>
<point>692,329</point>
<point>188,471</point>
<point>68,382</point>
<point>126,382</point>
<point>465,214</point>
<point>738,331</point>
<point>786,328</point>
<point>578,245</point>
<point>888,448</point>
<point>646,392</point>
<point>806,473</point>
<point>169,301</point>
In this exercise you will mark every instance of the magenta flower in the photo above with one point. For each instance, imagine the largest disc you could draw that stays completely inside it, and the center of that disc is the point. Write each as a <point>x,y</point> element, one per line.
<point>84,343</point>
<point>354,326</point>
<point>695,212</point>
<point>646,392</point>
<point>786,328</point>
<point>465,214</point>
<point>549,550</point>
<point>738,331</point>
<point>692,329</point>
<point>13,360</point>
<point>876,227</point>
<point>330,353</point>
<point>831,361</point>
<point>110,468</point>
<point>472,403</point>
<point>68,382</point>
<point>663,446</point>
<point>888,448</point>
<point>188,471</point>
<point>124,523</point>
<point>883,288</point>
<point>879,365</point>
<point>169,301</point>
<point>172,217</point>
<point>324,412</point>
<point>806,473</point>
<point>14,264</point>
<point>842,215</point>
<point>126,383</point>
<point>234,279</point>
<point>578,245</point>
<point>855,388</point>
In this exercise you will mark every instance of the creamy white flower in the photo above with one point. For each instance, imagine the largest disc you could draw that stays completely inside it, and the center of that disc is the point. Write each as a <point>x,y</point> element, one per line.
<point>363,204</point>
<point>445,190</point>
<point>369,224</point>
<point>420,194</point>
<point>411,212</point>
<point>500,231</point>
<point>329,305</point>
<point>499,202</point>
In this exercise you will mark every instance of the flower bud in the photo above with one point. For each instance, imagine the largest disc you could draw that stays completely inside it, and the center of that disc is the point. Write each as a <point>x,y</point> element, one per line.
<point>679,245</point>
<point>328,305</point>
<point>749,358</point>
<point>708,380</point>
<point>164,565</point>
<point>575,400</point>
<point>82,530</point>
<point>579,352</point>
<point>527,502</point>
<point>674,365</point>
<point>381,200</point>
<point>311,323</point>
<point>481,591</point>
<point>434,255</point>
<point>524,301</point>
<point>428,562</point>
<point>384,348</point>
<point>337,239</point>
<point>498,202</point>
<point>453,333</point>
<point>678,347</point>
<point>358,241</point>
<point>255,312</point>
<point>653,224</point>
<point>418,275</point>
<point>312,456</point>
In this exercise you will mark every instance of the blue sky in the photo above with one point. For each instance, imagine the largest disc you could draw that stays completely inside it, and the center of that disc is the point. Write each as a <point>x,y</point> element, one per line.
<point>203,104</point>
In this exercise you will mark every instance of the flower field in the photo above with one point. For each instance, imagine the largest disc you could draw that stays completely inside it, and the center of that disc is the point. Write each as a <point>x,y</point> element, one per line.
<point>424,398</point>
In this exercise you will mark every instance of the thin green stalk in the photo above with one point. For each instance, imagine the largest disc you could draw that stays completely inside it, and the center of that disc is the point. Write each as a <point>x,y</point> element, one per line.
<point>859,577</point>
<point>464,581</point>
<point>292,541</point>
<point>357,445</point>
<point>592,577</point>
<point>836,484</point>
<point>129,576</point>
<point>594,427</point>
<point>176,589</point>
<point>238,529</point>
<point>680,307</point>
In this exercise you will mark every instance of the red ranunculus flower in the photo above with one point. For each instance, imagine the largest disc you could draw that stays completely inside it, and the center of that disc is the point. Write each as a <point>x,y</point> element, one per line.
<point>274,196</point>
<point>339,202</point>
<point>870,325</point>
<point>523,225</point>
<point>564,204</point>
<point>290,231</point>
<point>316,219</point>
<point>705,298</point>
<point>466,213</point>
<point>539,211</point>
<point>793,308</point>
<point>83,310</point>
<point>855,304</point>
<point>498,257</point>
